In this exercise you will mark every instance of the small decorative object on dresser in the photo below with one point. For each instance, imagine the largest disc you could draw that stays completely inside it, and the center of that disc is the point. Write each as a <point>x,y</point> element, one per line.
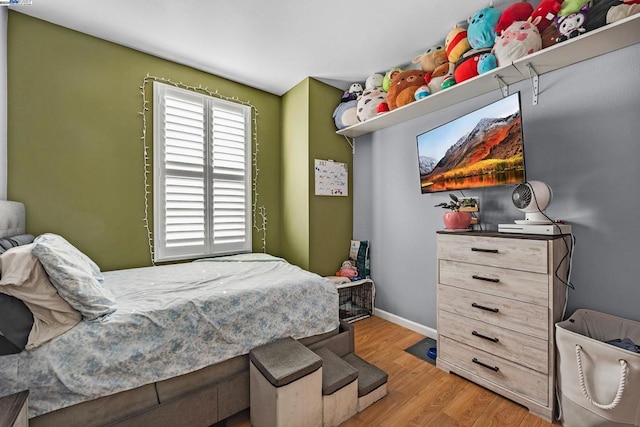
<point>459,216</point>
<point>499,297</point>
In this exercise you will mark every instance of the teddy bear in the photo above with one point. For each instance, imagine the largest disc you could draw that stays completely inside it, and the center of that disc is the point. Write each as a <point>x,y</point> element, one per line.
<point>572,25</point>
<point>520,11</point>
<point>368,103</point>
<point>482,28</point>
<point>386,80</point>
<point>436,81</point>
<point>521,38</point>
<point>348,269</point>
<point>403,88</point>
<point>456,44</point>
<point>345,114</point>
<point>431,59</point>
<point>354,91</point>
<point>374,81</point>
<point>467,66</point>
<point>545,14</point>
<point>550,36</point>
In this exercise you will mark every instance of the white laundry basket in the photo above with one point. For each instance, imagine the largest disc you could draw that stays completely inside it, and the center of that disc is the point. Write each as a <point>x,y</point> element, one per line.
<point>598,383</point>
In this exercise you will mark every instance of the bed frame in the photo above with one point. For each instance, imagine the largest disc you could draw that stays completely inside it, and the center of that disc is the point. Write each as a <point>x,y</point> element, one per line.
<point>200,398</point>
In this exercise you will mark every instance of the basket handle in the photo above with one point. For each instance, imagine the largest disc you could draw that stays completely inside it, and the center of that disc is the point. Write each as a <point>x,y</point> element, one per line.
<point>624,372</point>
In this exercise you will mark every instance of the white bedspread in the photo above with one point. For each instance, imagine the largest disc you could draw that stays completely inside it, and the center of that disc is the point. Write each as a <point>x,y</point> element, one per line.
<point>172,320</point>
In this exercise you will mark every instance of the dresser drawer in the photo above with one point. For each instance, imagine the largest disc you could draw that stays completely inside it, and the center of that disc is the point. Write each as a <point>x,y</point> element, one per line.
<point>514,346</point>
<point>530,319</point>
<point>492,368</point>
<point>515,284</point>
<point>515,254</point>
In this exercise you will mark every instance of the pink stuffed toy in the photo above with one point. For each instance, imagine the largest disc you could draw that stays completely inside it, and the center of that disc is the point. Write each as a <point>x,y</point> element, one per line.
<point>347,270</point>
<point>516,12</point>
<point>520,39</point>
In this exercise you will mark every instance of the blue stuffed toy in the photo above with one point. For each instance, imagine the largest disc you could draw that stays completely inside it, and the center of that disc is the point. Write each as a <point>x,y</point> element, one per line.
<point>487,62</point>
<point>482,28</point>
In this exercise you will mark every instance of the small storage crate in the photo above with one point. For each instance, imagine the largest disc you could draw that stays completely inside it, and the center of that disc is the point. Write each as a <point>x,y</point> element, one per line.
<point>356,299</point>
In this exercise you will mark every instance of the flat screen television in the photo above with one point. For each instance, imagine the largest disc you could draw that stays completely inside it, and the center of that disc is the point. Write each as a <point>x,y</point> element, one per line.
<point>481,149</point>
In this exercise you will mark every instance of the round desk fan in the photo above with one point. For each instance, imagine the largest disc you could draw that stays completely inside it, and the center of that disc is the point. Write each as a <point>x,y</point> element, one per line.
<point>532,198</point>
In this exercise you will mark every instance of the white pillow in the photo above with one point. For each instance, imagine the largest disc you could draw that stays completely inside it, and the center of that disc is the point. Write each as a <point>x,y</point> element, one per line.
<point>24,278</point>
<point>76,277</point>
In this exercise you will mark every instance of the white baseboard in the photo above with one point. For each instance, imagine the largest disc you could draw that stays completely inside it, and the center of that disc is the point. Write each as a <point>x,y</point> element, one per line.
<point>409,324</point>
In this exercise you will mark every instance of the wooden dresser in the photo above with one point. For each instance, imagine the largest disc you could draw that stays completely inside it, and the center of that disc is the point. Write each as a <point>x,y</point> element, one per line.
<point>498,300</point>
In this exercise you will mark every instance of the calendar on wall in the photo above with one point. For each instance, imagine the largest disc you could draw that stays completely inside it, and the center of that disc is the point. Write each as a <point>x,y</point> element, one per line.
<point>332,178</point>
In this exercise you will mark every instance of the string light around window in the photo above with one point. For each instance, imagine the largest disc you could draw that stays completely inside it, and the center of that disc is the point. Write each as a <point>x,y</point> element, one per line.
<point>259,211</point>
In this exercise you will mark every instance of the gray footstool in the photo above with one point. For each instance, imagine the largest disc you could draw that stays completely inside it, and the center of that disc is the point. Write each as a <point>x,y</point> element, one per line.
<point>285,385</point>
<point>339,389</point>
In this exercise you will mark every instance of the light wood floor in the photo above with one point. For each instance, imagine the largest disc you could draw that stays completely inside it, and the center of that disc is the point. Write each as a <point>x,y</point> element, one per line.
<point>419,394</point>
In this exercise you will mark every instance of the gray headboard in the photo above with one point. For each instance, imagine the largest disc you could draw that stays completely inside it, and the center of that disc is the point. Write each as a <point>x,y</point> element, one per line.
<point>12,220</point>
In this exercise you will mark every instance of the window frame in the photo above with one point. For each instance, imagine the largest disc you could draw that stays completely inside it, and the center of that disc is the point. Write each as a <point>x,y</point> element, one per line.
<point>162,252</point>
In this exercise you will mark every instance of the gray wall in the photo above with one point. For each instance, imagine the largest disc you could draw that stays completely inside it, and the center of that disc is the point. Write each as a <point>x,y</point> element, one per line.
<point>583,139</point>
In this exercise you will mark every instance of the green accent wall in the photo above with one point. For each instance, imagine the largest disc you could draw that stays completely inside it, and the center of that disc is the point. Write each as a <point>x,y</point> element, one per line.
<point>75,157</point>
<point>316,230</point>
<point>295,175</point>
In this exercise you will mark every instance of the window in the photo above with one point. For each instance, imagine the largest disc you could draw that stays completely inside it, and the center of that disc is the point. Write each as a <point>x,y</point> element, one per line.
<point>202,175</point>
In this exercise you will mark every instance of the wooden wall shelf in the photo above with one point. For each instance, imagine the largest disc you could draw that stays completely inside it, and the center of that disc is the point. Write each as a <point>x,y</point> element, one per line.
<point>603,40</point>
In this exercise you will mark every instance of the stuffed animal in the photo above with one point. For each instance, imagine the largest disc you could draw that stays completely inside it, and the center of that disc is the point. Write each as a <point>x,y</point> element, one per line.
<point>572,25</point>
<point>516,12</point>
<point>482,28</point>
<point>373,81</point>
<point>545,14</point>
<point>431,59</point>
<point>436,79</point>
<point>598,13</point>
<point>386,80</point>
<point>628,8</point>
<point>572,6</point>
<point>348,269</point>
<point>456,44</point>
<point>422,92</point>
<point>403,87</point>
<point>345,114</point>
<point>487,62</point>
<point>353,93</point>
<point>550,36</point>
<point>368,103</point>
<point>467,67</point>
<point>519,39</point>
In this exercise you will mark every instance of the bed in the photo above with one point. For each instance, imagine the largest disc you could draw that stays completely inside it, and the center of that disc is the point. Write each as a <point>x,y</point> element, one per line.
<point>174,351</point>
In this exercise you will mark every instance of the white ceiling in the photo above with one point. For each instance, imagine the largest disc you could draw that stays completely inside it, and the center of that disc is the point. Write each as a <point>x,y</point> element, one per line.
<point>267,44</point>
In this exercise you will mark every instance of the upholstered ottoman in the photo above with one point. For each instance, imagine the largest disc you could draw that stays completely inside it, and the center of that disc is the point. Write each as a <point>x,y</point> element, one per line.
<point>339,389</point>
<point>285,380</point>
<point>372,381</point>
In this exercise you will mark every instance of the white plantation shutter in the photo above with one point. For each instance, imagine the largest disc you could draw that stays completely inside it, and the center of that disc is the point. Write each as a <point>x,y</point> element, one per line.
<point>202,176</point>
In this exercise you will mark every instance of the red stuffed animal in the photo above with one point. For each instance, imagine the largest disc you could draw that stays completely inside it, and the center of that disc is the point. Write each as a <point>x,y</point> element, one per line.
<point>545,14</point>
<point>516,12</point>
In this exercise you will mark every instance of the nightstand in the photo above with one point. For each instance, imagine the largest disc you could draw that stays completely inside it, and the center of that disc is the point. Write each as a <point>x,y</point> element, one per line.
<point>13,410</point>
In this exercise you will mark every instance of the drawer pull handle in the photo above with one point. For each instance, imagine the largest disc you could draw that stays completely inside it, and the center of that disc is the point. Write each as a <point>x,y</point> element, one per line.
<point>486,279</point>
<point>474,333</point>
<point>482,307</point>
<point>484,365</point>
<point>491,251</point>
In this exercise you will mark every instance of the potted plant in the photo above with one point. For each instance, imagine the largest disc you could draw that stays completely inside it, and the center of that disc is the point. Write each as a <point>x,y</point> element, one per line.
<point>459,215</point>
